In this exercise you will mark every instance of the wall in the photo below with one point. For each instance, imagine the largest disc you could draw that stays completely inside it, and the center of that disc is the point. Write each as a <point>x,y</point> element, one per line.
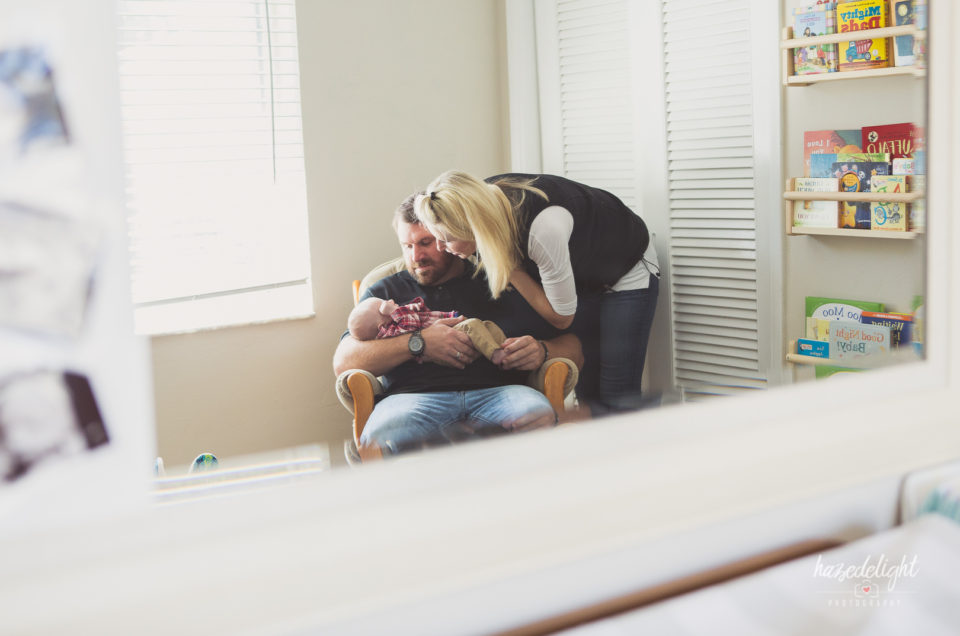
<point>886,270</point>
<point>393,93</point>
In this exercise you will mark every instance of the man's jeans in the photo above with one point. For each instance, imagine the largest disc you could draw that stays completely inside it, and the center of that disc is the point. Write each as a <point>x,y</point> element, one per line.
<point>411,421</point>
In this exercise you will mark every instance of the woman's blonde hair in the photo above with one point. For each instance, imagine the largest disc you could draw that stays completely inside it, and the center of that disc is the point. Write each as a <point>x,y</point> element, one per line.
<point>464,208</point>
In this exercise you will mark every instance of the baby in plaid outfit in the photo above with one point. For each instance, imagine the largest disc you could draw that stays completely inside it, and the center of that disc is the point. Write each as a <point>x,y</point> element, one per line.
<point>377,318</point>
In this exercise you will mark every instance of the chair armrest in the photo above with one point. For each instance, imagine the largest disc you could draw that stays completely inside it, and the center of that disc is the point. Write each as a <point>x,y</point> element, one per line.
<point>356,390</point>
<point>555,378</point>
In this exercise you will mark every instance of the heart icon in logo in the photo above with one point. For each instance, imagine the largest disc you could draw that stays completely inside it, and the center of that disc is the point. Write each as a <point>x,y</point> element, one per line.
<point>866,589</point>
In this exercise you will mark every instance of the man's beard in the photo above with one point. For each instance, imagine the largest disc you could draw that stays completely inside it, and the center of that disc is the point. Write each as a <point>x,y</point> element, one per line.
<point>436,271</point>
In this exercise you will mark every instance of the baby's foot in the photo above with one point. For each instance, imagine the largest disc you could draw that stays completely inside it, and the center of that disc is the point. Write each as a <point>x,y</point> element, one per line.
<point>497,356</point>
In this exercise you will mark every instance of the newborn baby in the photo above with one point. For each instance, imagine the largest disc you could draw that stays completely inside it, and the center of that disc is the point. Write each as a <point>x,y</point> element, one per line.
<point>377,318</point>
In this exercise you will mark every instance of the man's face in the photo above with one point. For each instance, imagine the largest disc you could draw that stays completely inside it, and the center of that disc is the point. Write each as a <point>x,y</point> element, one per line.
<point>424,261</point>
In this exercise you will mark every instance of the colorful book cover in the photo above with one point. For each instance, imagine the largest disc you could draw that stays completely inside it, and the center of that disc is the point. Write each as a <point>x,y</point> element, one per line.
<point>826,370</point>
<point>920,162</point>
<point>900,140</point>
<point>916,334</point>
<point>816,328</point>
<point>904,165</point>
<point>917,211</point>
<point>813,348</point>
<point>816,213</point>
<point>855,340</point>
<point>855,177</point>
<point>920,44</point>
<point>811,22</point>
<point>902,15</point>
<point>838,308</point>
<point>829,141</point>
<point>888,215</point>
<point>821,165</point>
<point>854,17</point>
<point>900,325</point>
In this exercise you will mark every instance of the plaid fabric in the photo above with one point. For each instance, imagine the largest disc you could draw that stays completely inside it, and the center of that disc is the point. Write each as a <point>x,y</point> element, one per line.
<point>412,316</point>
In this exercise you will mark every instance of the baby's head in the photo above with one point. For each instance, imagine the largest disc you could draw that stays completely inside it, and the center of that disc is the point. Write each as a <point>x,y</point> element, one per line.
<point>368,316</point>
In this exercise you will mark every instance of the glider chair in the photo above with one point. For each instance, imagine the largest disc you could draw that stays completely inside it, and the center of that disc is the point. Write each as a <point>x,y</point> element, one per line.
<point>357,389</point>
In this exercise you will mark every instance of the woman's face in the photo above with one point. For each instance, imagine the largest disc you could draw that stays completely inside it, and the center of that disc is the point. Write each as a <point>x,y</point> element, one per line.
<point>461,249</point>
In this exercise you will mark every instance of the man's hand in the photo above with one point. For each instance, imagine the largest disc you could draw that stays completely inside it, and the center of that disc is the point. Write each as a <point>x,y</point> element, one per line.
<point>447,346</point>
<point>524,354</point>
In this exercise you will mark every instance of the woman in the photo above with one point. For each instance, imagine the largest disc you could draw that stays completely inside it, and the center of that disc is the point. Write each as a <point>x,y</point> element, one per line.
<point>579,256</point>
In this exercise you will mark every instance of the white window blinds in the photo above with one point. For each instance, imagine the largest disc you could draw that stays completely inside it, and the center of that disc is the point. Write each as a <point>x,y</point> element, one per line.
<point>214,162</point>
<point>713,242</point>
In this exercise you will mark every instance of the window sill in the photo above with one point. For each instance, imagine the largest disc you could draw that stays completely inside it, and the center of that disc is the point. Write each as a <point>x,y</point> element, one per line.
<point>286,302</point>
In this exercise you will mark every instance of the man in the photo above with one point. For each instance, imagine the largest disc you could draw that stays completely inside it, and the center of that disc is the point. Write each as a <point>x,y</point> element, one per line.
<point>438,387</point>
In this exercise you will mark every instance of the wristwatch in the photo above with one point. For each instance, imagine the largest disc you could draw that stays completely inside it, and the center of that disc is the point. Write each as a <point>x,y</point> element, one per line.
<point>416,345</point>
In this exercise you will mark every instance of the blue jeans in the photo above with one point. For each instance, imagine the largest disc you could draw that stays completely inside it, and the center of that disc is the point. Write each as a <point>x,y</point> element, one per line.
<point>614,328</point>
<point>411,421</point>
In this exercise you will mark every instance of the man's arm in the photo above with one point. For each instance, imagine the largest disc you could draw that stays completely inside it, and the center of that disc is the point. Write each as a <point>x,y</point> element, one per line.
<point>442,342</point>
<point>376,356</point>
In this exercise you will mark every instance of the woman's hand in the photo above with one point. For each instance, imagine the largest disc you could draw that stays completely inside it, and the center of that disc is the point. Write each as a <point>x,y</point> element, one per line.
<point>522,354</point>
<point>446,346</point>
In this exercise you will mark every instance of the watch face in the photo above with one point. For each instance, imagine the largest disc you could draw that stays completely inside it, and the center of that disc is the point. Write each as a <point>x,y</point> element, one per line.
<point>416,344</point>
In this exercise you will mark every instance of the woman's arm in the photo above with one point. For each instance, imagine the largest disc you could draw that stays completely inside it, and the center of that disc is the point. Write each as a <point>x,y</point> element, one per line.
<point>555,298</point>
<point>534,294</point>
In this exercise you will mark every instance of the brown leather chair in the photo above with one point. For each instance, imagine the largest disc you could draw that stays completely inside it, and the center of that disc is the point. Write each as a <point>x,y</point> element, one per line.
<point>357,389</point>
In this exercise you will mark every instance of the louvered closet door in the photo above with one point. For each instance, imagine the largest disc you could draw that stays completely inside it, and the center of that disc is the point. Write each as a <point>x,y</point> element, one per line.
<point>588,118</point>
<point>599,97</point>
<point>713,220</point>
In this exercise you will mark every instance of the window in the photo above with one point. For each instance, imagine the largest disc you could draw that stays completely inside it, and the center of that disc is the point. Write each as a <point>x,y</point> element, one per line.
<point>213,150</point>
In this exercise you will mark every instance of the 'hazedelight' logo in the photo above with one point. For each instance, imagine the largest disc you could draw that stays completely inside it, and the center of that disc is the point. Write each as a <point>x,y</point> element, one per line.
<point>865,580</point>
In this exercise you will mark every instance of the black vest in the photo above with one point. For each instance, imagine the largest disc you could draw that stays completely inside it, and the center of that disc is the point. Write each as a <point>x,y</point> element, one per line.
<point>608,239</point>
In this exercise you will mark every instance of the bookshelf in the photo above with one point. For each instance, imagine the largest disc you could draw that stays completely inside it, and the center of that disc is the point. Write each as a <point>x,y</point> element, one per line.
<point>788,43</point>
<point>790,196</point>
<point>812,264</point>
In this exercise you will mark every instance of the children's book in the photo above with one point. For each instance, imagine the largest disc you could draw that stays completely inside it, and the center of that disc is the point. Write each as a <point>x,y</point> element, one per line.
<point>827,142</point>
<point>810,22</point>
<point>917,211</point>
<point>899,324</point>
<point>917,329</point>
<point>902,15</point>
<point>816,213</point>
<point>813,348</point>
<point>888,215</point>
<point>904,165</point>
<point>822,371</point>
<point>855,177</point>
<point>822,165</point>
<point>920,162</point>
<point>866,53</point>
<point>822,308</point>
<point>854,340</point>
<point>816,329</point>
<point>920,44</point>
<point>900,140</point>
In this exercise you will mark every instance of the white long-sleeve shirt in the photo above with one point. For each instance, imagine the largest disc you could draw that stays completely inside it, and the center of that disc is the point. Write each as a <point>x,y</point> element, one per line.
<point>549,247</point>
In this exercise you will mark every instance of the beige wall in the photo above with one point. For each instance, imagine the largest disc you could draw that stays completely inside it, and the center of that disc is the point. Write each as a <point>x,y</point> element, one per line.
<point>393,93</point>
<point>886,270</point>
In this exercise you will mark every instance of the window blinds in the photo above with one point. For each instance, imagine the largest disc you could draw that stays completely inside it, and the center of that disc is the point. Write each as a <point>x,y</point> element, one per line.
<point>213,148</point>
<point>713,222</point>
